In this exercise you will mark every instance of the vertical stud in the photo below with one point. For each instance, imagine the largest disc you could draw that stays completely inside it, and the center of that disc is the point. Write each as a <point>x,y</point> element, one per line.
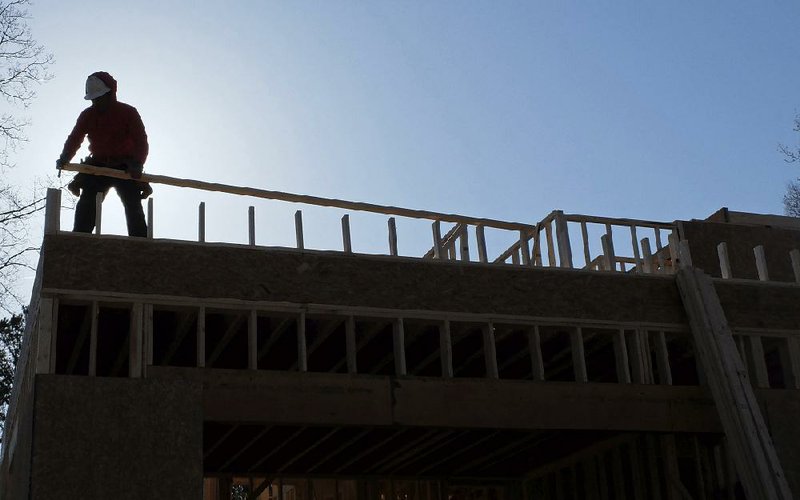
<point>724,261</point>
<point>350,344</point>
<point>637,260</point>
<point>45,327</point>
<point>662,359</point>
<point>148,336</point>
<point>609,260</point>
<point>480,235</point>
<point>135,344</point>
<point>446,349</point>
<point>93,339</point>
<point>535,349</point>
<point>464,241</point>
<point>251,225</point>
<point>438,251</point>
<point>98,213</point>
<point>201,222</point>
<point>302,353</point>
<point>587,256</point>
<point>524,248</point>
<point>252,340</point>
<point>621,357</point>
<point>392,237</point>
<point>759,361</point>
<point>490,351</point>
<point>201,337</point>
<point>399,344</point>
<point>298,229</point>
<point>761,263</point>
<point>564,245</point>
<point>551,252</point>
<point>647,256</point>
<point>578,356</point>
<point>150,218</point>
<point>52,211</point>
<point>794,255</point>
<point>346,243</point>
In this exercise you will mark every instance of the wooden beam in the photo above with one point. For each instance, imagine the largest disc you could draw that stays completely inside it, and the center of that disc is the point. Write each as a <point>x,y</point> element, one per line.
<point>752,449</point>
<point>456,452</point>
<point>647,256</point>
<point>339,449</point>
<point>322,336</point>
<point>148,335</point>
<point>377,466</point>
<point>609,260</point>
<point>365,453</point>
<point>366,337</point>
<point>464,241</point>
<point>637,260</point>
<point>761,378</point>
<point>551,252</point>
<point>587,256</point>
<point>274,337</point>
<point>298,198</point>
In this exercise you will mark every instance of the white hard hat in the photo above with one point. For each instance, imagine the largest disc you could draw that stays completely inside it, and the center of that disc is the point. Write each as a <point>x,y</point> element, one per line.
<point>95,88</point>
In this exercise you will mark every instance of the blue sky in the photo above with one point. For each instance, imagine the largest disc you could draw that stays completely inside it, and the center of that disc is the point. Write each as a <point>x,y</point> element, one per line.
<point>505,109</point>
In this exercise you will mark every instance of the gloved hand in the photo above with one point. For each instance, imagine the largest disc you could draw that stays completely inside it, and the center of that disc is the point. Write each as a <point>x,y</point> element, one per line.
<point>145,190</point>
<point>134,168</point>
<point>61,162</point>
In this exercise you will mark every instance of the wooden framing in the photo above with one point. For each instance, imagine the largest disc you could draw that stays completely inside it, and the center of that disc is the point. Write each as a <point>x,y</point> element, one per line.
<point>98,213</point>
<point>45,324</point>
<point>535,349</point>
<point>724,261</point>
<point>399,347</point>
<point>438,250</point>
<point>251,225</point>
<point>761,263</point>
<point>135,346</point>
<point>95,308</point>
<point>489,351</point>
<point>794,255</point>
<point>201,222</point>
<point>350,345</point>
<point>446,349</point>
<point>201,337</point>
<point>751,445</point>
<point>302,354</point>
<point>252,340</point>
<point>347,245</point>
<point>150,221</point>
<point>298,229</point>
<point>578,356</point>
<point>392,237</point>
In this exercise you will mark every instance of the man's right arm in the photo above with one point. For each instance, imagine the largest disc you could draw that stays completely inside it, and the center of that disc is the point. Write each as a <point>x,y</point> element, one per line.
<point>73,142</point>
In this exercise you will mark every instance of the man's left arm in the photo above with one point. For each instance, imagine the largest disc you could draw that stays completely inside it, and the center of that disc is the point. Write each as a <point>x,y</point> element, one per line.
<point>141,147</point>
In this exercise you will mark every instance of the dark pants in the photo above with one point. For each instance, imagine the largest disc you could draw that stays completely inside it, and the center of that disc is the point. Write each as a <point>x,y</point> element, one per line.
<point>129,192</point>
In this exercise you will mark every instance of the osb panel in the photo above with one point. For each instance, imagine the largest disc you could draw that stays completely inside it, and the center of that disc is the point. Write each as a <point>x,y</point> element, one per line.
<point>759,305</point>
<point>100,438</point>
<point>704,237</point>
<point>78,262</point>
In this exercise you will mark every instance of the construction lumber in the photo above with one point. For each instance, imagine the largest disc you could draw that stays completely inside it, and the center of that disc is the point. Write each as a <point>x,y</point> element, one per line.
<point>299,198</point>
<point>751,446</point>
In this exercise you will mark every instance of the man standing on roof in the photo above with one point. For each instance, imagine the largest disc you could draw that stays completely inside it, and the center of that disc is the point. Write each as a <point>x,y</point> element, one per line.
<point>117,139</point>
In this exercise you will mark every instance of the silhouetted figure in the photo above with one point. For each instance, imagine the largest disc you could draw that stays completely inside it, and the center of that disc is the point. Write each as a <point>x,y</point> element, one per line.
<point>117,139</point>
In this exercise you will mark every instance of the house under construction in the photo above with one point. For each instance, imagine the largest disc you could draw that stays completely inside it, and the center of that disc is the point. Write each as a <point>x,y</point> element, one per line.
<point>589,357</point>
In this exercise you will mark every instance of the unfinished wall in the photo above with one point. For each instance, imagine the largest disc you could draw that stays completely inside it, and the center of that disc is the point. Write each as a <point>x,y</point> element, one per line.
<point>101,438</point>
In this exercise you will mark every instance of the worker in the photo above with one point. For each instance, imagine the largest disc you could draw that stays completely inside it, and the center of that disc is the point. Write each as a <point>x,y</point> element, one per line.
<point>117,140</point>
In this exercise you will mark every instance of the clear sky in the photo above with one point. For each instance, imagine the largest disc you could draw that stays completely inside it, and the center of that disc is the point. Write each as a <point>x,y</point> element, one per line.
<point>502,109</point>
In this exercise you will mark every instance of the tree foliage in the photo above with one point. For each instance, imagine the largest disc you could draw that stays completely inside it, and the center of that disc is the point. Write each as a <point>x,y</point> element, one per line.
<point>791,200</point>
<point>10,342</point>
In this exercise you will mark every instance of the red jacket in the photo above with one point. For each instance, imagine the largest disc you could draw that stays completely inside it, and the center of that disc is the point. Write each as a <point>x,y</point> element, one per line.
<point>115,134</point>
